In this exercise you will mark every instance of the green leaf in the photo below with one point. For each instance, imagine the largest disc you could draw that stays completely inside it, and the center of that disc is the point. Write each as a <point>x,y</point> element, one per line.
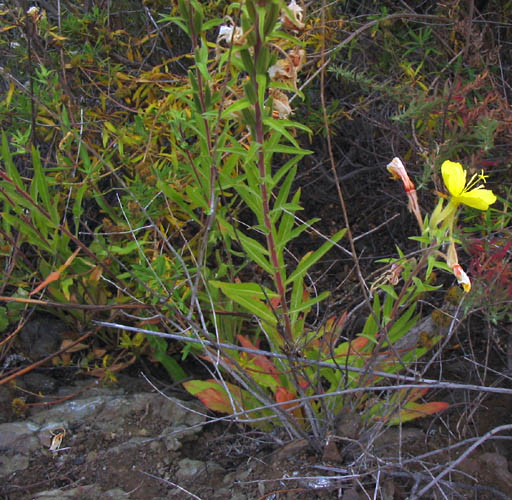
<point>128,248</point>
<point>159,346</point>
<point>312,258</point>
<point>11,170</point>
<point>261,80</point>
<point>372,324</point>
<point>77,206</point>
<point>278,126</point>
<point>84,156</point>
<point>4,321</point>
<point>233,108</point>
<point>389,291</point>
<point>28,231</point>
<point>248,65</point>
<point>256,251</point>
<point>271,15</point>
<point>307,304</point>
<point>42,187</point>
<point>284,190</point>
<point>387,307</point>
<point>250,296</point>
<point>250,92</point>
<point>403,324</point>
<point>290,150</point>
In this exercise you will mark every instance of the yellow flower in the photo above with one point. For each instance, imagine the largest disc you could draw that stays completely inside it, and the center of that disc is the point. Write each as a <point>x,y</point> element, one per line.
<point>454,177</point>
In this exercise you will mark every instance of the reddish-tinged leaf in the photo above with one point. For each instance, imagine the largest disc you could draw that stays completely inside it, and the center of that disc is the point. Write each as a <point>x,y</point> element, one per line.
<point>265,364</point>
<point>331,333</point>
<point>304,384</point>
<point>275,301</point>
<point>216,400</point>
<point>415,394</point>
<point>411,411</point>
<point>282,395</point>
<point>53,276</point>
<point>211,394</point>
<point>352,348</point>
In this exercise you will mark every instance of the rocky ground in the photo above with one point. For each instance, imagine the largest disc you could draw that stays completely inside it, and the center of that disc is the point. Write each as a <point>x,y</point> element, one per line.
<point>130,441</point>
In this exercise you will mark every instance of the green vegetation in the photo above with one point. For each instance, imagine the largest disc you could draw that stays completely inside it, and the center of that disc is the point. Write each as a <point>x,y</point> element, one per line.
<point>159,185</point>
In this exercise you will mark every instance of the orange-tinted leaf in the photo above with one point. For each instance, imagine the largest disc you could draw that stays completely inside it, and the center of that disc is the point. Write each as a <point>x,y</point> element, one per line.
<point>330,333</point>
<point>350,348</point>
<point>215,399</point>
<point>275,301</point>
<point>95,275</point>
<point>411,411</point>
<point>53,276</point>
<point>304,384</point>
<point>265,364</point>
<point>415,394</point>
<point>282,395</point>
<point>211,394</point>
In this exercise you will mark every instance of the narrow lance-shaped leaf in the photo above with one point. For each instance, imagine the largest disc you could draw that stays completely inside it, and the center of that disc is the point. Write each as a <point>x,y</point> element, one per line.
<point>312,258</point>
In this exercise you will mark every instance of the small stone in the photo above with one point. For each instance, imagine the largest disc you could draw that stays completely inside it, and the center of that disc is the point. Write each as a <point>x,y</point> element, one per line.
<point>19,436</point>
<point>224,493</point>
<point>213,467</point>
<point>188,469</point>
<point>155,446</point>
<point>8,465</point>
<point>494,467</point>
<point>79,460</point>
<point>351,494</point>
<point>291,450</point>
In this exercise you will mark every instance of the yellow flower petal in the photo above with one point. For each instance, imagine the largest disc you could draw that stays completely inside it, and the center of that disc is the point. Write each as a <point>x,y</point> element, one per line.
<point>478,198</point>
<point>454,177</point>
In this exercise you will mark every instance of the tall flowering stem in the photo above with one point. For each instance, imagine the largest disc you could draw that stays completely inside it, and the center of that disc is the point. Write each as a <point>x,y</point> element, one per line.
<point>271,245</point>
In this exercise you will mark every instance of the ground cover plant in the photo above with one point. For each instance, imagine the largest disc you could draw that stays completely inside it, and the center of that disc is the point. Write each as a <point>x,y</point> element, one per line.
<point>203,187</point>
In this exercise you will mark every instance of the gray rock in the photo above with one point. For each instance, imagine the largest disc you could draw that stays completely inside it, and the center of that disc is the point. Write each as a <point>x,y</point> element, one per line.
<point>90,491</point>
<point>188,469</point>
<point>393,437</point>
<point>19,437</point>
<point>177,412</point>
<point>8,465</point>
<point>76,409</point>
<point>171,439</point>
<point>223,493</point>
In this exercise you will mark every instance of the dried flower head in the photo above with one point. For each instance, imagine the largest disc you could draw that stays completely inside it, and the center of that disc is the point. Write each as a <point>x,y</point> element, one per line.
<point>292,18</point>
